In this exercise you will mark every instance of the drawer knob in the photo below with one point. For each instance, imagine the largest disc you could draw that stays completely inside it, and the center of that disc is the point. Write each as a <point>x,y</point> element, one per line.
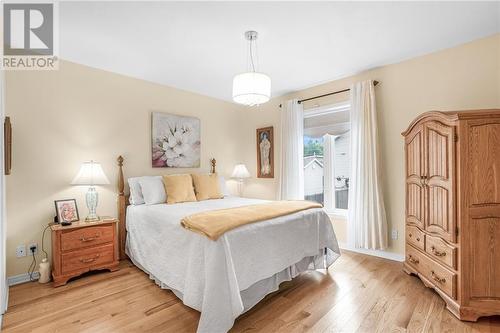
<point>89,239</point>
<point>418,239</point>
<point>437,253</point>
<point>89,260</point>
<point>412,260</point>
<point>410,235</point>
<point>437,278</point>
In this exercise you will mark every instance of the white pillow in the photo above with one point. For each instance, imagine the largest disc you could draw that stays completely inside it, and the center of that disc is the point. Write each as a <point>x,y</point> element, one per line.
<point>136,197</point>
<point>153,190</point>
<point>222,185</point>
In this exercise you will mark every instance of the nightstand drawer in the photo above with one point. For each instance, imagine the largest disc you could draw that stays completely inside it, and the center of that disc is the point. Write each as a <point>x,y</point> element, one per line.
<point>87,258</point>
<point>83,237</point>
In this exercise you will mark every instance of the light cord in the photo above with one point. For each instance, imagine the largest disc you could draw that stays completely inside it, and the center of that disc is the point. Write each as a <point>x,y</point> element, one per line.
<point>251,56</point>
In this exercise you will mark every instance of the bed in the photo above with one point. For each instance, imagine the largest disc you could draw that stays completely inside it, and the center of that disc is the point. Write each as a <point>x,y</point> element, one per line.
<point>224,278</point>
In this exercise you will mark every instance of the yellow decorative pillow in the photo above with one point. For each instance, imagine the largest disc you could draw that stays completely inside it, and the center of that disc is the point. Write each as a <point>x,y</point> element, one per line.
<point>206,186</point>
<point>179,188</point>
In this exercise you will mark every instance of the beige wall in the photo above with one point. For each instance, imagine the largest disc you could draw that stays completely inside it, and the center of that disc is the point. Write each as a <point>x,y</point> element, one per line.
<point>62,118</point>
<point>464,77</point>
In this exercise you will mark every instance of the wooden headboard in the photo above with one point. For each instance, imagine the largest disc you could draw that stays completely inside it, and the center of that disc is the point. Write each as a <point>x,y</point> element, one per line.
<point>123,202</point>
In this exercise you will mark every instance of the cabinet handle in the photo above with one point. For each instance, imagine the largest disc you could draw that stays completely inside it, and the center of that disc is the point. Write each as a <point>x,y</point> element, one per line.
<point>412,260</point>
<point>437,278</point>
<point>410,235</point>
<point>88,260</point>
<point>89,239</point>
<point>437,253</point>
<point>418,239</point>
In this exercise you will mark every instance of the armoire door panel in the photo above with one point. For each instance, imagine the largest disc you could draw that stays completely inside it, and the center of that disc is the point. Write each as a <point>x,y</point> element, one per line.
<point>484,167</point>
<point>439,179</point>
<point>414,170</point>
<point>438,220</point>
<point>484,258</point>
<point>414,154</point>
<point>415,204</point>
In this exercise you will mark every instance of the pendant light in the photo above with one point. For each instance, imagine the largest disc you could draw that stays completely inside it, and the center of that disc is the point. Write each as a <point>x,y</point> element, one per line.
<point>251,88</point>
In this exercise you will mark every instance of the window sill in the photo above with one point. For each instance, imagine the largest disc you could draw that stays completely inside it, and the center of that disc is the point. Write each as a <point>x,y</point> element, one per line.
<point>337,214</point>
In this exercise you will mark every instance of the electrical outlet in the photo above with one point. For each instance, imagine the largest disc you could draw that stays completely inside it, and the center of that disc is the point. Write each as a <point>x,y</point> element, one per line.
<point>21,251</point>
<point>31,245</point>
<point>394,234</point>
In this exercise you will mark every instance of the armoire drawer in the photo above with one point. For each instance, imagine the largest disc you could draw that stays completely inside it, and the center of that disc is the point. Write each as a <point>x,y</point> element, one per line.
<point>439,276</point>
<point>415,237</point>
<point>439,250</point>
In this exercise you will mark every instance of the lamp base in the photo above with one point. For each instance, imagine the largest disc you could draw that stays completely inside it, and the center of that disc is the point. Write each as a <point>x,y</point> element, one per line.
<point>92,198</point>
<point>92,218</point>
<point>240,187</point>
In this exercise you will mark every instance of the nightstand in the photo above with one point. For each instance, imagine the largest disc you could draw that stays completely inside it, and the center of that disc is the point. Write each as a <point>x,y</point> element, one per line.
<point>82,247</point>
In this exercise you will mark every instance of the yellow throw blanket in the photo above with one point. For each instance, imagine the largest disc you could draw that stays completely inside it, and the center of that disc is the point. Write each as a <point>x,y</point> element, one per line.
<point>215,223</point>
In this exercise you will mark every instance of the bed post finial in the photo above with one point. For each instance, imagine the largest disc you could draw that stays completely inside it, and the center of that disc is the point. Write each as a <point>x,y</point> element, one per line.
<point>122,207</point>
<point>121,183</point>
<point>213,162</point>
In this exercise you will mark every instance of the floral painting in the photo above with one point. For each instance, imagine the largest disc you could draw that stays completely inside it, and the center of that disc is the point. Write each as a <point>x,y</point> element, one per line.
<point>176,141</point>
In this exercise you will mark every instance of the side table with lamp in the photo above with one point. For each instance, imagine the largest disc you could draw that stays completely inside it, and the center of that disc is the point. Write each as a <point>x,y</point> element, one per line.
<point>86,245</point>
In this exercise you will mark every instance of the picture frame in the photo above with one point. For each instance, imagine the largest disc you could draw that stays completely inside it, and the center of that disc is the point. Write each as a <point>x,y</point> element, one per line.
<point>66,210</point>
<point>265,152</point>
<point>175,141</point>
<point>7,141</point>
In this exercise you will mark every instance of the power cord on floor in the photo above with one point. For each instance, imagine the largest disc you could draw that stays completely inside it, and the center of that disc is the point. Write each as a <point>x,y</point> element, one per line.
<point>43,237</point>
<point>31,269</point>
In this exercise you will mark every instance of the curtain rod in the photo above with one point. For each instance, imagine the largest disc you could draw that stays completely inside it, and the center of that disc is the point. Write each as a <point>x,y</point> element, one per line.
<point>332,93</point>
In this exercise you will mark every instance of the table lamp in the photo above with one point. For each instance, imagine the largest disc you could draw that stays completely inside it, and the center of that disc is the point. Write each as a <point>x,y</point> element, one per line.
<point>91,174</point>
<point>240,172</point>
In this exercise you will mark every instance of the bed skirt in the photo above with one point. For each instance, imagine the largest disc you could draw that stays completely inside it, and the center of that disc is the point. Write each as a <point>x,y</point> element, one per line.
<point>256,292</point>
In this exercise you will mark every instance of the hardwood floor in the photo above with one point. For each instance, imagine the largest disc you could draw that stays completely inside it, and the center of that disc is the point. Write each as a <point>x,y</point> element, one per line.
<point>359,294</point>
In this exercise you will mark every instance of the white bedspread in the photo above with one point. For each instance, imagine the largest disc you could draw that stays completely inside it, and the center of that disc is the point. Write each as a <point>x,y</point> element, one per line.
<point>211,276</point>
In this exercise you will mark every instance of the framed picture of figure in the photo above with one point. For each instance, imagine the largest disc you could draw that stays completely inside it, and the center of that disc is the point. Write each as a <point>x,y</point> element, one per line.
<point>265,152</point>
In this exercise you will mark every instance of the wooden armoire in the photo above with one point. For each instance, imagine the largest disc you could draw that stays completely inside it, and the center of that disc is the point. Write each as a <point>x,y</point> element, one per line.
<point>453,208</point>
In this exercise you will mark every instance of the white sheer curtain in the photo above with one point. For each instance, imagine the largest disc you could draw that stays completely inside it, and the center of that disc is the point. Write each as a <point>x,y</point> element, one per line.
<point>292,151</point>
<point>328,171</point>
<point>367,219</point>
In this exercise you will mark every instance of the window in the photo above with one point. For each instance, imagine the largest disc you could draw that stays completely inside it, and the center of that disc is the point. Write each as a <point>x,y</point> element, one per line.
<point>326,156</point>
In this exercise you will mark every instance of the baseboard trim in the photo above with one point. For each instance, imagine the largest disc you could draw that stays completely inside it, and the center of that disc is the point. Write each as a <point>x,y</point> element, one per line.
<point>375,253</point>
<point>21,278</point>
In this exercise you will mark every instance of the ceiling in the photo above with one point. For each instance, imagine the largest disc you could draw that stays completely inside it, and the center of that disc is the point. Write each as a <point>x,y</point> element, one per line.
<point>199,46</point>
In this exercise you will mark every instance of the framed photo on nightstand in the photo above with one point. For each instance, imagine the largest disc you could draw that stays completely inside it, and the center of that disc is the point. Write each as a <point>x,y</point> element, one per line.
<point>66,210</point>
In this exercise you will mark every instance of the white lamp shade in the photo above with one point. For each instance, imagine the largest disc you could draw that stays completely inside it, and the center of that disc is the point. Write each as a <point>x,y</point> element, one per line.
<point>240,171</point>
<point>90,173</point>
<point>251,88</point>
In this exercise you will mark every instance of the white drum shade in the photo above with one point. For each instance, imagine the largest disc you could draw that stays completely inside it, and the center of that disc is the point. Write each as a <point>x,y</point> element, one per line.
<point>251,88</point>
